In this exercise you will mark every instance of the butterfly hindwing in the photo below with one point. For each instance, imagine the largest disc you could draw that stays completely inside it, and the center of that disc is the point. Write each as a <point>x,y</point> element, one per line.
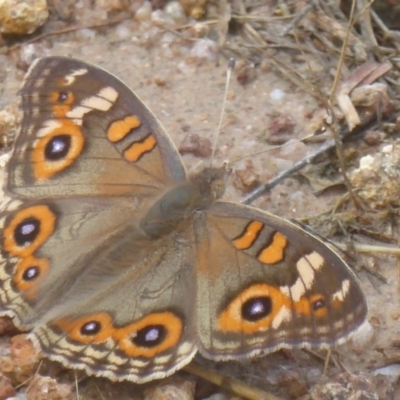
<point>130,316</point>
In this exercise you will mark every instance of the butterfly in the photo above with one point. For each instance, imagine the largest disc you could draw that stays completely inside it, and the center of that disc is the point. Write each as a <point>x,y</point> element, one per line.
<point>123,266</point>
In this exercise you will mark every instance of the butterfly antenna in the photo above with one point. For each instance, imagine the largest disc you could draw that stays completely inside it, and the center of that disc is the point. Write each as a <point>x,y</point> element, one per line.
<point>231,66</point>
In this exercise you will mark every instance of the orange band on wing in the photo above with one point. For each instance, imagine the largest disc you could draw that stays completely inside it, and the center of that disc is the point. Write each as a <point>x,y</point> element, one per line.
<point>307,306</point>
<point>118,130</point>
<point>62,101</point>
<point>172,325</point>
<point>39,219</point>
<point>45,168</point>
<point>101,324</point>
<point>249,236</point>
<point>261,307</point>
<point>274,253</point>
<point>29,273</point>
<point>138,149</point>
<point>231,319</point>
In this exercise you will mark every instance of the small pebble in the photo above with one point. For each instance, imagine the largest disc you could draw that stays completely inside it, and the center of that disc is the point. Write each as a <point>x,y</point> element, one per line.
<point>205,49</point>
<point>144,12</point>
<point>277,94</point>
<point>22,17</point>
<point>175,11</point>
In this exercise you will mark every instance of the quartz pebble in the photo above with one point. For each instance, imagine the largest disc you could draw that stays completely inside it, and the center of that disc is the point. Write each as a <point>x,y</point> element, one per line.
<point>22,17</point>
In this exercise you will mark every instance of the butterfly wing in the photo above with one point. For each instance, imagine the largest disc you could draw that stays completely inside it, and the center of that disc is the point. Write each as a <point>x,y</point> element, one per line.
<point>130,316</point>
<point>47,244</point>
<point>84,132</point>
<point>88,152</point>
<point>266,284</point>
<point>98,295</point>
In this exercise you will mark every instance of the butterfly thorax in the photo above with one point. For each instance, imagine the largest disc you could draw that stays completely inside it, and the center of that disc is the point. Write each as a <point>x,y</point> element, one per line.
<point>178,203</point>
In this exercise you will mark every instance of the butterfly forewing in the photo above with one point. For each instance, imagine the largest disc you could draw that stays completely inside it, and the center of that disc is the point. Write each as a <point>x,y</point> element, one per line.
<point>267,284</point>
<point>81,128</point>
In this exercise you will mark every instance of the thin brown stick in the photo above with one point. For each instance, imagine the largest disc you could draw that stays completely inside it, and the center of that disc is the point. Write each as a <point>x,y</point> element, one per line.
<point>228,383</point>
<point>61,32</point>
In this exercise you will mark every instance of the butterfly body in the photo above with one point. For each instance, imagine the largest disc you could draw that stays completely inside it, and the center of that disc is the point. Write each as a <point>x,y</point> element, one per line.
<point>123,266</point>
<point>181,202</point>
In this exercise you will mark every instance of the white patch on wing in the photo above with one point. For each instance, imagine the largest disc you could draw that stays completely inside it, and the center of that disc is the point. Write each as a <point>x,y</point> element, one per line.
<point>184,348</point>
<point>97,103</point>
<point>70,79</point>
<point>109,94</point>
<point>77,113</point>
<point>283,315</point>
<point>314,259</point>
<point>306,268</point>
<point>342,292</point>
<point>48,127</point>
<point>162,359</point>
<point>338,325</point>
<point>102,101</point>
